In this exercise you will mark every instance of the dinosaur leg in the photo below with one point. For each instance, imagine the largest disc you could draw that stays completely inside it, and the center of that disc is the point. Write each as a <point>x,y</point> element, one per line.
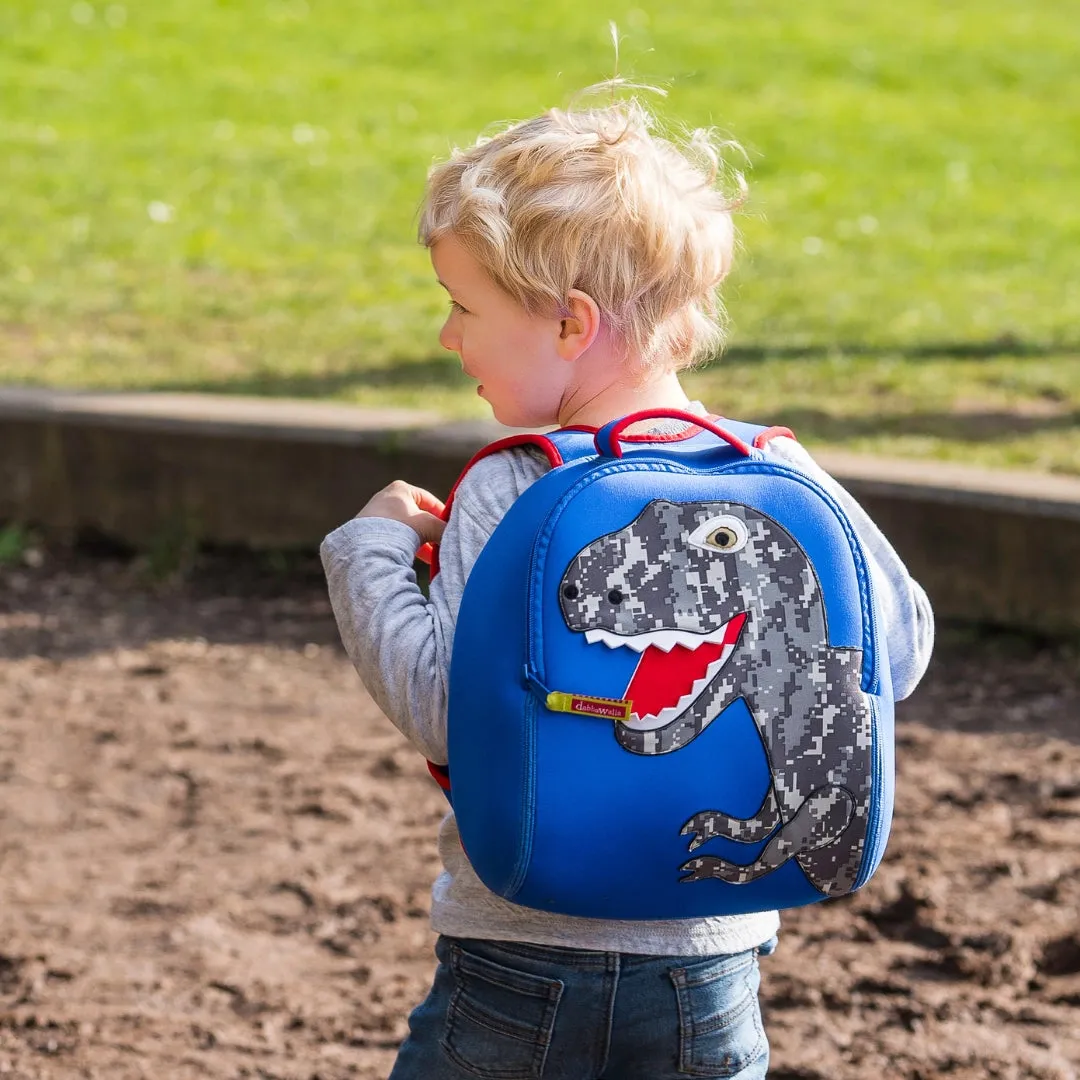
<point>834,867</point>
<point>820,821</point>
<point>708,824</point>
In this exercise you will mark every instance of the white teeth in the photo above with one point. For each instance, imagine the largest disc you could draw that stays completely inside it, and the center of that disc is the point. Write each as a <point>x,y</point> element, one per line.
<point>672,712</point>
<point>664,640</point>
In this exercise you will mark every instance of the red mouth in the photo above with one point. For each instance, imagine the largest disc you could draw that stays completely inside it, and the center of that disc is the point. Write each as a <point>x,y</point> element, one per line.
<point>665,680</point>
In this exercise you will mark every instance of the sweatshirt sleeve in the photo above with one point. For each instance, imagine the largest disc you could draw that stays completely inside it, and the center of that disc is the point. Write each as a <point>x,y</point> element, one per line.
<point>399,640</point>
<point>909,619</point>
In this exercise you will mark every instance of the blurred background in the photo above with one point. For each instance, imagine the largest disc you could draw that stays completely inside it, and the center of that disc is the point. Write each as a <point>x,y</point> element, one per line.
<point>215,853</point>
<point>221,195</point>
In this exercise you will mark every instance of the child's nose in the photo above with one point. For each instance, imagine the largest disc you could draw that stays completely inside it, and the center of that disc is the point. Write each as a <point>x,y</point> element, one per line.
<point>449,338</point>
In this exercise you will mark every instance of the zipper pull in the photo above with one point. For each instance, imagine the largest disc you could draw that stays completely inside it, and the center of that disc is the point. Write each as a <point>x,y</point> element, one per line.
<point>618,709</point>
<point>582,705</point>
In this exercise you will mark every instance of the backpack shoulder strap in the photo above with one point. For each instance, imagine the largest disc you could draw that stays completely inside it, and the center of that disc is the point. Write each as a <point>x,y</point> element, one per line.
<point>573,443</point>
<point>765,434</point>
<point>429,553</point>
<point>757,435</point>
<point>542,442</point>
<point>576,443</point>
<point>557,450</point>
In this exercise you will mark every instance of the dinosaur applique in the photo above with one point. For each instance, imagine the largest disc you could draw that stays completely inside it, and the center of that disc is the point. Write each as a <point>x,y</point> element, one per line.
<point>722,603</point>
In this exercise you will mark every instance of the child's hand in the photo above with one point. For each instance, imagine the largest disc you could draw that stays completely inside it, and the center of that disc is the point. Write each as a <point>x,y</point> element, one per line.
<point>413,506</point>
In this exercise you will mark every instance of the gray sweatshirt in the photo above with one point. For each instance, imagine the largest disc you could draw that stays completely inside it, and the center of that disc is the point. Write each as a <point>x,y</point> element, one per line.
<point>400,643</point>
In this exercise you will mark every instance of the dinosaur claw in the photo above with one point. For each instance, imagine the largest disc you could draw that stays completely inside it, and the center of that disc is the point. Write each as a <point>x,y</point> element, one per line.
<point>690,872</point>
<point>708,868</point>
<point>697,837</point>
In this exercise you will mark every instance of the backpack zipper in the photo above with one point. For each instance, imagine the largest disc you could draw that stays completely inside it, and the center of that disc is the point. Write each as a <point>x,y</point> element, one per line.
<point>873,825</point>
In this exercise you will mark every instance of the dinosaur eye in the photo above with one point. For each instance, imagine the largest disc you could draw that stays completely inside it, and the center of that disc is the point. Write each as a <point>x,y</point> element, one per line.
<point>725,533</point>
<point>723,538</point>
<point>570,592</point>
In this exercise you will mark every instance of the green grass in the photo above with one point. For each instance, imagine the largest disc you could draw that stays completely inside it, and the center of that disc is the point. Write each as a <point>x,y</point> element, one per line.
<point>221,196</point>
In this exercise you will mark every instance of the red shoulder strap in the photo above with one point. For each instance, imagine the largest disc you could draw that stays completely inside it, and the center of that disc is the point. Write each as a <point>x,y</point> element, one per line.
<point>429,553</point>
<point>763,437</point>
<point>440,774</point>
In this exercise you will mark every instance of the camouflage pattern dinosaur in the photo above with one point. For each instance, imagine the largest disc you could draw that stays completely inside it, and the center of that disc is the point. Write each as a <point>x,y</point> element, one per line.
<point>731,585</point>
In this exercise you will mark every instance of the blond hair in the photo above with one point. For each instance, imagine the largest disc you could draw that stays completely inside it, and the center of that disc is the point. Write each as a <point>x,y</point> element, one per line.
<point>594,199</point>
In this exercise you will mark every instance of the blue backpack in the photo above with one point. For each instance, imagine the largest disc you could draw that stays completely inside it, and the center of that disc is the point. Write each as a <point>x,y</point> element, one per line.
<point>669,696</point>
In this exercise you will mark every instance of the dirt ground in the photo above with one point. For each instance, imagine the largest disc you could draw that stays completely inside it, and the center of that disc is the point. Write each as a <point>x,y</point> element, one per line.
<point>215,854</point>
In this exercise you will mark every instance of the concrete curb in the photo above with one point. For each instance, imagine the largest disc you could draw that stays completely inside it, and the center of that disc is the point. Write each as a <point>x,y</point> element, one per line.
<point>992,546</point>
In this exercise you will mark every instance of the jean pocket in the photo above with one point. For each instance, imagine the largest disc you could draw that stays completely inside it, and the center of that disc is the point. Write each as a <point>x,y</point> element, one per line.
<point>720,1031</point>
<point>500,1020</point>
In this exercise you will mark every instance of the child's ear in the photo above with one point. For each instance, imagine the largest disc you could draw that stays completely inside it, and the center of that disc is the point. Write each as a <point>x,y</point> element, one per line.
<point>579,327</point>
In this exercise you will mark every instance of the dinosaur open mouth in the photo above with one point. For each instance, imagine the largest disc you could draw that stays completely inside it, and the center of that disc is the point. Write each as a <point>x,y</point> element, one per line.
<point>674,669</point>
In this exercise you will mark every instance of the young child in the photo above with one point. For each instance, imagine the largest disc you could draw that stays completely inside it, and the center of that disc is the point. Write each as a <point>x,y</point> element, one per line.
<point>582,255</point>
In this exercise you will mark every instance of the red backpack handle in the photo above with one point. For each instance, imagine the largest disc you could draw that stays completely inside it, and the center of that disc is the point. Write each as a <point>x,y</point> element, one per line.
<point>607,438</point>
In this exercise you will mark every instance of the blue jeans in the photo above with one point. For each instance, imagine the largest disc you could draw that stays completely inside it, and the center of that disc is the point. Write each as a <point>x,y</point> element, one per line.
<point>501,1010</point>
